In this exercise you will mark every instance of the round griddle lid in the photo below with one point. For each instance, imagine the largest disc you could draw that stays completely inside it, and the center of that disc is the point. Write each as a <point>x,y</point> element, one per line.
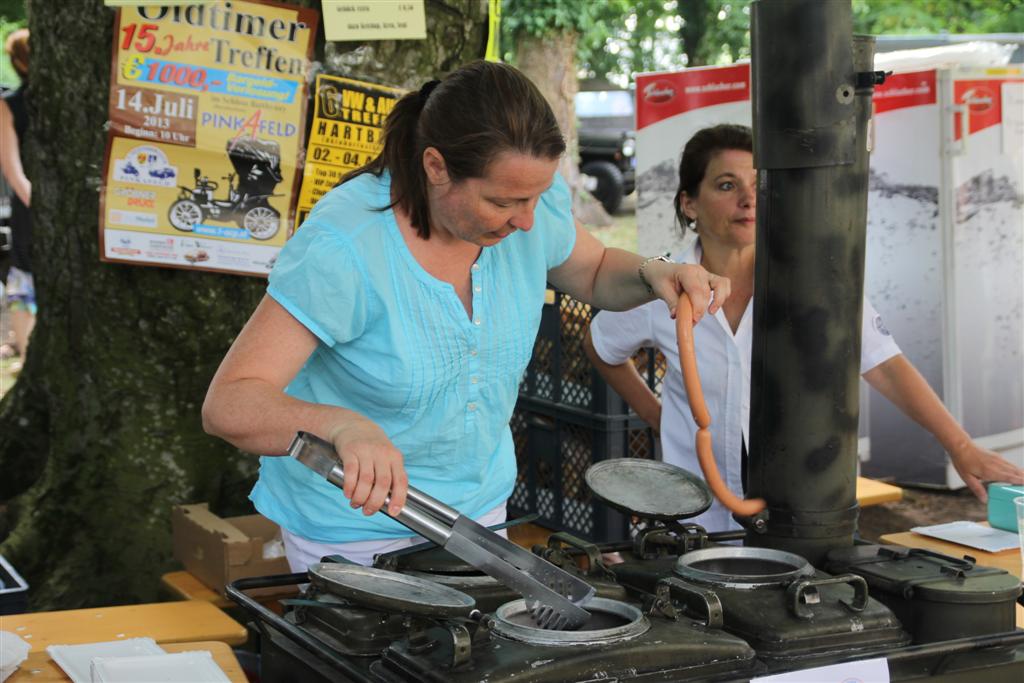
<point>649,488</point>
<point>390,591</point>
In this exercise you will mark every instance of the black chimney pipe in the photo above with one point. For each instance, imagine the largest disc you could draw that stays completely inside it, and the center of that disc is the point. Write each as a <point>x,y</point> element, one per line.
<point>810,114</point>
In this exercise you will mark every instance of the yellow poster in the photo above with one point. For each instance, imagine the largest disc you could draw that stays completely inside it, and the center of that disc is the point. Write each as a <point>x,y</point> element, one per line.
<point>207,114</point>
<point>348,119</point>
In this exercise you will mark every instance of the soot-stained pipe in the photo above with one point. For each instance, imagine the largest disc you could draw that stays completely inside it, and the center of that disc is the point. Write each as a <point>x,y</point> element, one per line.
<point>811,150</point>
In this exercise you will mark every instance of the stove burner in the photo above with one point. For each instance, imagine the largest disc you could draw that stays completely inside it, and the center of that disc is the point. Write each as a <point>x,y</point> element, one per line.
<point>742,567</point>
<point>610,621</point>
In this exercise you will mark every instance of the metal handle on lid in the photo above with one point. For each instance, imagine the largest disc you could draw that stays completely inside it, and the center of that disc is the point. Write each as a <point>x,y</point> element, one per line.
<point>805,592</point>
<point>708,599</point>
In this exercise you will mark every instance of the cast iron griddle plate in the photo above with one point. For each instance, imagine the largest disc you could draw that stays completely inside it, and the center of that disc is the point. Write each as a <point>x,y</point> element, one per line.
<point>649,488</point>
<point>382,589</point>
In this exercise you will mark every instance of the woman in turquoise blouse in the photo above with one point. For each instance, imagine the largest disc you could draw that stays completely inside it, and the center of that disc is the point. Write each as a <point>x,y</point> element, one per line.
<point>400,317</point>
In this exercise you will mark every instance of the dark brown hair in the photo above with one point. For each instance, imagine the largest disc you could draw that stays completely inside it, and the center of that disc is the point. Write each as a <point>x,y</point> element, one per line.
<point>473,115</point>
<point>699,149</point>
<point>17,47</point>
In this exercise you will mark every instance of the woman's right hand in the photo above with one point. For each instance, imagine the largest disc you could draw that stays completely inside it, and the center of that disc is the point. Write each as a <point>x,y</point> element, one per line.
<point>374,467</point>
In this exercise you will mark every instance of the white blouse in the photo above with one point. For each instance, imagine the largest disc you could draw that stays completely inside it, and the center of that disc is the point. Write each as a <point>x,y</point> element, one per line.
<point>723,361</point>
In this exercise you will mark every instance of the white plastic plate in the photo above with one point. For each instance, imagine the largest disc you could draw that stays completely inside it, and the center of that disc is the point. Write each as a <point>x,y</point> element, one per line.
<point>181,667</point>
<point>76,659</point>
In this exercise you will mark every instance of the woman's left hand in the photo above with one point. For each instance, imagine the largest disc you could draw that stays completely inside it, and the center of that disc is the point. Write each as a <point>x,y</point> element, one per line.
<point>669,280</point>
<point>977,465</point>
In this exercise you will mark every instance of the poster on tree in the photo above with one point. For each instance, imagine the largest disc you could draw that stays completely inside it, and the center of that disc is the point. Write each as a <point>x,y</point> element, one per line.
<point>207,120</point>
<point>348,120</point>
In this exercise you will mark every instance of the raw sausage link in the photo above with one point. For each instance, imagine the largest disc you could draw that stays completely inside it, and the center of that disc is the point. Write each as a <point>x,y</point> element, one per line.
<point>699,409</point>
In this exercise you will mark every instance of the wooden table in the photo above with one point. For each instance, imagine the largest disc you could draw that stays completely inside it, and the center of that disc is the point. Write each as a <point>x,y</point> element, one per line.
<point>873,492</point>
<point>184,621</point>
<point>183,585</point>
<point>1009,560</point>
<point>40,668</point>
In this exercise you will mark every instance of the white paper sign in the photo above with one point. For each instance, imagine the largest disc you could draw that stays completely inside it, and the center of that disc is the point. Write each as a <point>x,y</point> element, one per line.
<point>971,534</point>
<point>362,20</point>
<point>866,671</point>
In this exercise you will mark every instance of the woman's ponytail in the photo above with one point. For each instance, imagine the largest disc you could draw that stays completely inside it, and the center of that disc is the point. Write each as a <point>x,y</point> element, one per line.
<point>476,113</point>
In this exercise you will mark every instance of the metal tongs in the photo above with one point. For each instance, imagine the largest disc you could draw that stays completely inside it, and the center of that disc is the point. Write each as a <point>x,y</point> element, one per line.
<point>553,597</point>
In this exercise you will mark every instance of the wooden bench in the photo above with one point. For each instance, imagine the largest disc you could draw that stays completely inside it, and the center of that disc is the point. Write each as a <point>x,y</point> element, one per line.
<point>183,585</point>
<point>873,492</point>
<point>184,621</point>
<point>40,668</point>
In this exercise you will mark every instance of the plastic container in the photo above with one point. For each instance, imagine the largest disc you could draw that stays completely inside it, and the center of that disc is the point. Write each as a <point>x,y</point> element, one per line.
<point>568,418</point>
<point>560,374</point>
<point>554,448</point>
<point>1019,505</point>
<point>1001,513</point>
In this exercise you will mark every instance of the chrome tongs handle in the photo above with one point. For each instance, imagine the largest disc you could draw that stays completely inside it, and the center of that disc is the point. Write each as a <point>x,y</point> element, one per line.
<point>553,596</point>
<point>320,456</point>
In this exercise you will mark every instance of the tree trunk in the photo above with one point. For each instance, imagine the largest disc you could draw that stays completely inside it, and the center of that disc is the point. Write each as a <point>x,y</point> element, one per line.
<point>550,62</point>
<point>101,435</point>
<point>695,15</point>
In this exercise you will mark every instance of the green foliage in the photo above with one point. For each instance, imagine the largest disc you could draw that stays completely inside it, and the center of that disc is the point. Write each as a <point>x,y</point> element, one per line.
<point>8,22</point>
<point>720,31</point>
<point>938,16</point>
<point>594,23</point>
<point>539,18</point>
<point>618,39</point>
<point>12,11</point>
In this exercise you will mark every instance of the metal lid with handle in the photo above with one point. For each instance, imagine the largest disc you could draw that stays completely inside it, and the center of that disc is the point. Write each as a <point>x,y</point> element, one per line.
<point>648,488</point>
<point>555,597</point>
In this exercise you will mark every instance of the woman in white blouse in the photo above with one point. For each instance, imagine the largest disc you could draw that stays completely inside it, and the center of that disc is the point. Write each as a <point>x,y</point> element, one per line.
<point>717,198</point>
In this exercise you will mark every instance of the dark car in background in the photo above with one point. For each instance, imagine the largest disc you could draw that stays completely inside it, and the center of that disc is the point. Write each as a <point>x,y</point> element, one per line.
<point>607,144</point>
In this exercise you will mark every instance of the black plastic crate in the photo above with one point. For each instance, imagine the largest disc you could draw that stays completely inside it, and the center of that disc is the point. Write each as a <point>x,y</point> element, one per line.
<point>13,590</point>
<point>561,375</point>
<point>554,448</point>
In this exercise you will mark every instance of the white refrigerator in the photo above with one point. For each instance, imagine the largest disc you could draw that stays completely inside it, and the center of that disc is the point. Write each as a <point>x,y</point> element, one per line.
<point>945,239</point>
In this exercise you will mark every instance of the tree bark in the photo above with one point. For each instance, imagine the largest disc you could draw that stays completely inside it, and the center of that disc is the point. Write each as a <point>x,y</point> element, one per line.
<point>550,62</point>
<point>695,14</point>
<point>101,435</point>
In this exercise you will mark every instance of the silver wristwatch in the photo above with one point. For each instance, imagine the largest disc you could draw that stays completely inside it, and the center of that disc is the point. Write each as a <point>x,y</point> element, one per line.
<point>643,264</point>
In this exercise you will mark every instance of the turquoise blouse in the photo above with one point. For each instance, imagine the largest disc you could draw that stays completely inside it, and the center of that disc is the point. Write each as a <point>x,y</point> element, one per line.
<point>396,345</point>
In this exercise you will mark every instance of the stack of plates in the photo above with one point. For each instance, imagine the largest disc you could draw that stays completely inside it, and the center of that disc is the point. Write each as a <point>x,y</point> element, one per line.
<point>134,660</point>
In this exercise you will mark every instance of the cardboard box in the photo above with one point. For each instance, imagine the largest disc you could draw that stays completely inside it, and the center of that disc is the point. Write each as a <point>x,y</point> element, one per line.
<point>218,550</point>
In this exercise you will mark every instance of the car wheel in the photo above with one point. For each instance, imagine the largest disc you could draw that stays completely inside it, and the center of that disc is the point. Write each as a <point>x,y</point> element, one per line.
<point>610,184</point>
<point>262,222</point>
<point>184,214</point>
